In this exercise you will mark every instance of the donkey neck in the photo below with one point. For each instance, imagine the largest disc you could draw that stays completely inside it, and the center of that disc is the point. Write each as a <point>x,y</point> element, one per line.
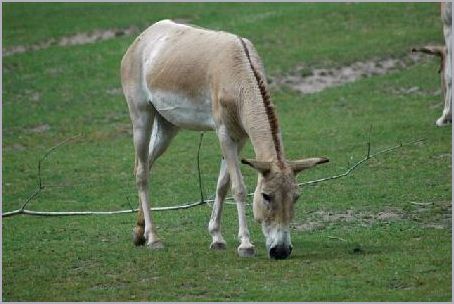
<point>261,125</point>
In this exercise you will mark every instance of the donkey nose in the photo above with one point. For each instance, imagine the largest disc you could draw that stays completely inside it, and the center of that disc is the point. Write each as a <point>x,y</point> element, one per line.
<point>280,252</point>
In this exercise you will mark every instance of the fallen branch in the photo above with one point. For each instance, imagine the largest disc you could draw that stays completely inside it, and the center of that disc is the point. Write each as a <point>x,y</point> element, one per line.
<point>421,204</point>
<point>22,210</point>
<point>202,197</point>
<point>69,213</point>
<point>41,187</point>
<point>356,165</point>
<point>336,238</point>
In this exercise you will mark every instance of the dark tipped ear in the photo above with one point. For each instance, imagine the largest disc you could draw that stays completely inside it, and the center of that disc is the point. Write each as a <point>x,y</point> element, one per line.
<point>302,164</point>
<point>263,167</point>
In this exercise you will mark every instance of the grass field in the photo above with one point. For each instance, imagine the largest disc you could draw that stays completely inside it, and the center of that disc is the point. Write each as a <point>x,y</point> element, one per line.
<point>381,234</point>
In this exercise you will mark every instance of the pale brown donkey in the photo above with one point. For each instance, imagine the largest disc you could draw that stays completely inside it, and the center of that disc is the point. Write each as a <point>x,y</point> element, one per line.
<point>176,77</point>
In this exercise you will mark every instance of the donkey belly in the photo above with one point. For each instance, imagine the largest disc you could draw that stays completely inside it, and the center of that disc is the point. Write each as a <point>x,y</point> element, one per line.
<point>192,113</point>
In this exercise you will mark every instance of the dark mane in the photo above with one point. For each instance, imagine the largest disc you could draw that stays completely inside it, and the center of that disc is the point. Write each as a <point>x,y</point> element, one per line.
<point>269,108</point>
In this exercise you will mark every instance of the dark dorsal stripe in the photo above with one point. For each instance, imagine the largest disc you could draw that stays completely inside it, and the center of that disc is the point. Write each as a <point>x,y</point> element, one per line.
<point>269,108</point>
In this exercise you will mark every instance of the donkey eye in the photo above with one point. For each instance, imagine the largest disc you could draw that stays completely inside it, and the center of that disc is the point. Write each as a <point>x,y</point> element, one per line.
<point>266,197</point>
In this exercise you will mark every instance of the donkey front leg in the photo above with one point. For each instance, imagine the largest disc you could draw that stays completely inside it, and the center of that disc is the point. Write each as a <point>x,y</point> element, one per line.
<point>230,149</point>
<point>214,227</point>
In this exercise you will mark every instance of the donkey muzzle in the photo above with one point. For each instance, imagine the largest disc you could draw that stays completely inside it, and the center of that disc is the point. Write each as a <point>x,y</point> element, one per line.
<point>280,252</point>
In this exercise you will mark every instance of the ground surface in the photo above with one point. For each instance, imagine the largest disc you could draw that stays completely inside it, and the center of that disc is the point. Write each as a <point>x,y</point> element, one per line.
<point>381,234</point>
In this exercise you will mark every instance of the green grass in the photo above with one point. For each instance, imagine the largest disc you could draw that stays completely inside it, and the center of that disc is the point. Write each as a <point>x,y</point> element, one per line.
<point>284,34</point>
<point>75,90</point>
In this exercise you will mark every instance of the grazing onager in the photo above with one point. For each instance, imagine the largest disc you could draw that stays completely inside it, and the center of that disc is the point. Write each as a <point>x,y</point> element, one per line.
<point>446,17</point>
<point>176,76</point>
<point>445,54</point>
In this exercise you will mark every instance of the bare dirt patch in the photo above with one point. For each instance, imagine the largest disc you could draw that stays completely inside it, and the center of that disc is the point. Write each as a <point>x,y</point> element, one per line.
<point>17,147</point>
<point>308,81</point>
<point>79,38</point>
<point>427,215</point>
<point>35,97</point>
<point>320,219</point>
<point>40,128</point>
<point>442,155</point>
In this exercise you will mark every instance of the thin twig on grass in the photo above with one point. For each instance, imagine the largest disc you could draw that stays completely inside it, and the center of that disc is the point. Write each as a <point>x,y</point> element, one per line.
<point>202,197</point>
<point>177,207</point>
<point>41,187</point>
<point>360,162</point>
<point>336,238</point>
<point>421,204</point>
<point>40,184</point>
<point>69,213</point>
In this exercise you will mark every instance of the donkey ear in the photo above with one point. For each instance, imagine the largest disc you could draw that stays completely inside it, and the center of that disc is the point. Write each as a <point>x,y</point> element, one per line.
<point>299,165</point>
<point>263,167</point>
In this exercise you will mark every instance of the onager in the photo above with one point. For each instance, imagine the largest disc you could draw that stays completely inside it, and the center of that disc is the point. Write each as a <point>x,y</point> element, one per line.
<point>445,54</point>
<point>177,76</point>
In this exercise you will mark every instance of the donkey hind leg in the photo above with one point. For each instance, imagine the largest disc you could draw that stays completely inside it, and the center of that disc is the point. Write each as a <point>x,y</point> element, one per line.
<point>142,120</point>
<point>446,117</point>
<point>162,134</point>
<point>230,150</point>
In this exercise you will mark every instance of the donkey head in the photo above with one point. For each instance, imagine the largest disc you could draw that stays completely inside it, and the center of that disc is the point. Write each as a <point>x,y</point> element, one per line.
<point>274,199</point>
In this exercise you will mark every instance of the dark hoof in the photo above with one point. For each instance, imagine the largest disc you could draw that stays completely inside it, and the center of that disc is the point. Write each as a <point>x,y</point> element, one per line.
<point>246,252</point>
<point>138,237</point>
<point>218,246</point>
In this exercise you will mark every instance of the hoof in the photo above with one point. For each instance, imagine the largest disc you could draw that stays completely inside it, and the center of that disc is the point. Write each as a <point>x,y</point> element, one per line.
<point>218,246</point>
<point>441,122</point>
<point>138,237</point>
<point>246,252</point>
<point>156,245</point>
